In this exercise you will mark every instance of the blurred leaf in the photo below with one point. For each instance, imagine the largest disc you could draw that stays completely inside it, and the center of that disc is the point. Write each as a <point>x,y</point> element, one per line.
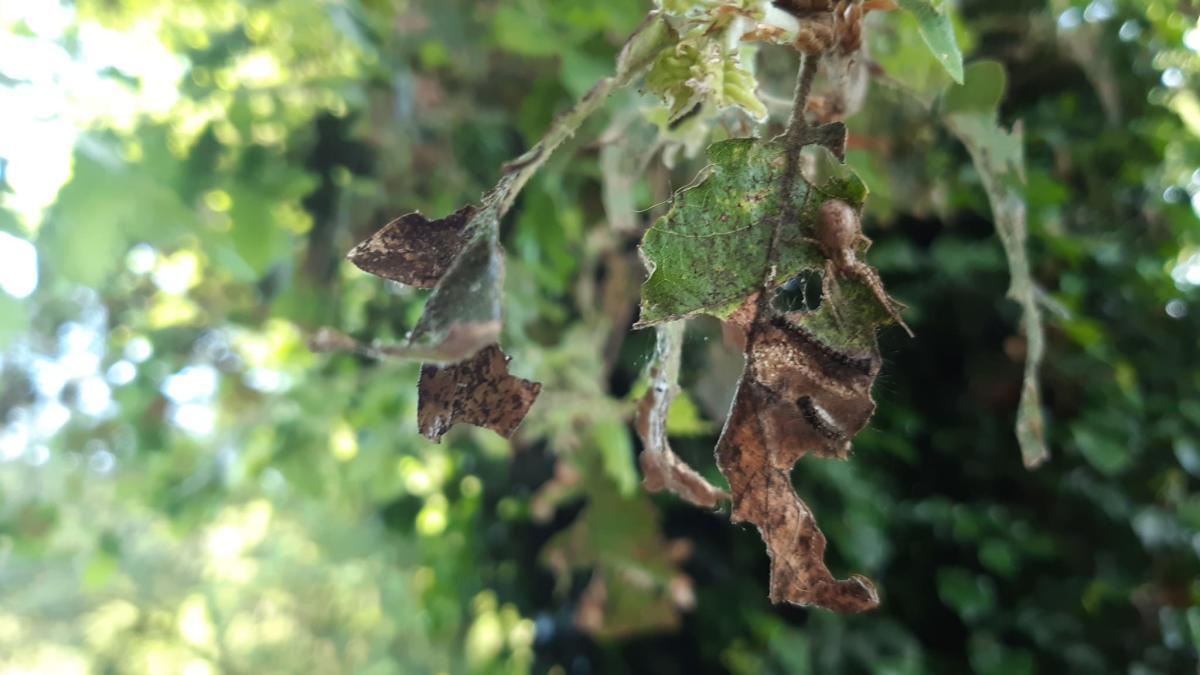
<point>99,570</point>
<point>938,33</point>
<point>969,111</point>
<point>970,595</point>
<point>1100,450</point>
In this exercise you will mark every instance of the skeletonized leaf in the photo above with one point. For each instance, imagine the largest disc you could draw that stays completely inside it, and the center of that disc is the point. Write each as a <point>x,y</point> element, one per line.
<point>413,249</point>
<point>477,391</point>
<point>711,250</point>
<point>938,32</point>
<point>464,313</point>
<point>970,112</point>
<point>662,468</point>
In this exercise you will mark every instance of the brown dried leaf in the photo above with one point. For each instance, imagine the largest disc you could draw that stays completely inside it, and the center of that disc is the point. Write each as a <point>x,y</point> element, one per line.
<point>798,395</point>
<point>477,391</point>
<point>413,249</point>
<point>763,495</point>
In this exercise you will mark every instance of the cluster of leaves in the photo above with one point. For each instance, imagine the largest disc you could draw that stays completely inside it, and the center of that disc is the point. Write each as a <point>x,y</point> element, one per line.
<point>151,545</point>
<point>729,242</point>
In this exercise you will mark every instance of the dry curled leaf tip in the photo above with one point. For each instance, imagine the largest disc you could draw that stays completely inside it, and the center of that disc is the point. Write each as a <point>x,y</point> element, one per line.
<point>661,467</point>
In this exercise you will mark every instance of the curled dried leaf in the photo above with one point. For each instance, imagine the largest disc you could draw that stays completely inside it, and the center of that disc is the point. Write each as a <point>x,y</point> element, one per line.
<point>763,495</point>
<point>662,468</point>
<point>806,389</point>
<point>970,112</point>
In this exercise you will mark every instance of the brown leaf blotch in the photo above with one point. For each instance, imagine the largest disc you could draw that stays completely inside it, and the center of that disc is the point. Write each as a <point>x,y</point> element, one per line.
<point>476,391</point>
<point>413,249</point>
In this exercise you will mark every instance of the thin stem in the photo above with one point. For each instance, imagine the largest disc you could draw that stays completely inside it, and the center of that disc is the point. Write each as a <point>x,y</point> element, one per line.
<point>636,56</point>
<point>795,138</point>
<point>804,84</point>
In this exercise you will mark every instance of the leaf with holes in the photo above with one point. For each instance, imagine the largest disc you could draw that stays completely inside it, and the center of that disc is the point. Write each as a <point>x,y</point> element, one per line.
<point>710,251</point>
<point>477,391</point>
<point>759,217</point>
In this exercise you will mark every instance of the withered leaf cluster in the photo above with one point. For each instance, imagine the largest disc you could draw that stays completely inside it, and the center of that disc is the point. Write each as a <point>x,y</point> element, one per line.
<point>465,377</point>
<point>806,384</point>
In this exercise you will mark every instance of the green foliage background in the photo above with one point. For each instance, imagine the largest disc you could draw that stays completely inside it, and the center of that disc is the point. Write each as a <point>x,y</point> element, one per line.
<point>313,530</point>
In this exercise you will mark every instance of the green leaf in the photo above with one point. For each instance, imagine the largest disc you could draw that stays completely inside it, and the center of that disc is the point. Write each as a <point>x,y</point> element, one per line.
<point>257,238</point>
<point>970,595</point>
<point>610,438</point>
<point>938,32</point>
<point>520,32</point>
<point>703,72</point>
<point>710,251</point>
<point>1108,456</point>
<point>990,657</point>
<point>107,205</point>
<point>982,91</point>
